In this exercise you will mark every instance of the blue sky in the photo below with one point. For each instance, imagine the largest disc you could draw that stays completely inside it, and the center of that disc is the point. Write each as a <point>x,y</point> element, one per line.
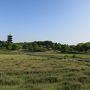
<point>64,21</point>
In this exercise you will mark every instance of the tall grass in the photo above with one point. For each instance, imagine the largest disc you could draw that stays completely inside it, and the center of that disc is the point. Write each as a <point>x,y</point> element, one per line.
<point>43,72</point>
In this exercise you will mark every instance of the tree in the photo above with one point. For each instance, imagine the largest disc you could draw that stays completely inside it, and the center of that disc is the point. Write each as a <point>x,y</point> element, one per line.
<point>15,47</point>
<point>30,47</point>
<point>57,46</point>
<point>9,46</point>
<point>65,48</point>
<point>25,46</point>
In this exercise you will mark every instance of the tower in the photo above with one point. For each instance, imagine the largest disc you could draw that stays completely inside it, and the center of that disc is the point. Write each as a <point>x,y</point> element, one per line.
<point>9,38</point>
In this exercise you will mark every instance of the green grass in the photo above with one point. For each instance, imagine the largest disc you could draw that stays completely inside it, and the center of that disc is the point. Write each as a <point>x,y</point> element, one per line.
<point>42,71</point>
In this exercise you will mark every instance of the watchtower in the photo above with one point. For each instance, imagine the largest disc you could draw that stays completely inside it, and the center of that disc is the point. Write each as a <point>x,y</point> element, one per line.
<point>9,38</point>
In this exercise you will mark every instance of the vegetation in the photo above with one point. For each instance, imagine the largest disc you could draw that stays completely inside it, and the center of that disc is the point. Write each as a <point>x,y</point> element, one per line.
<point>44,65</point>
<point>44,71</point>
<point>42,46</point>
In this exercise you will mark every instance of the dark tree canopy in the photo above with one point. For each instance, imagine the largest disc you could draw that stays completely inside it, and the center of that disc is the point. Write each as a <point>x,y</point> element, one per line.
<point>42,46</point>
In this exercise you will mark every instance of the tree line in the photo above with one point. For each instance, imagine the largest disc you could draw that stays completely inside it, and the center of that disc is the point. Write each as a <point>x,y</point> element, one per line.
<point>42,46</point>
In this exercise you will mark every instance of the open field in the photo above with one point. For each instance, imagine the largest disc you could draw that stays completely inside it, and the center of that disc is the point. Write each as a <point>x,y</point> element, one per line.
<point>39,71</point>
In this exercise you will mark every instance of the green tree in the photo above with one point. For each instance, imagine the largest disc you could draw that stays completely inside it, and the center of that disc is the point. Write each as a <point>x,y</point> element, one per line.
<point>25,46</point>
<point>30,47</point>
<point>15,47</point>
<point>65,48</point>
<point>9,46</point>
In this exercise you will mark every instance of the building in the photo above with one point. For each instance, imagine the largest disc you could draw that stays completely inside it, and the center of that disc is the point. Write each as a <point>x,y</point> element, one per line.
<point>9,38</point>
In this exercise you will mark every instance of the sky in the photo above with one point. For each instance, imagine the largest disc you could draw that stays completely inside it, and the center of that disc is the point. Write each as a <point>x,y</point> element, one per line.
<point>62,21</point>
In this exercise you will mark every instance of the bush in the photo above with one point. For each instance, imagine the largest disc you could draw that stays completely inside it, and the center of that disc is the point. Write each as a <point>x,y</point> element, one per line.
<point>74,56</point>
<point>66,56</point>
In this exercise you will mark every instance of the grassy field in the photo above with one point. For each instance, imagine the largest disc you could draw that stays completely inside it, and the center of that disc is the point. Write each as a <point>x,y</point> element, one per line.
<point>41,71</point>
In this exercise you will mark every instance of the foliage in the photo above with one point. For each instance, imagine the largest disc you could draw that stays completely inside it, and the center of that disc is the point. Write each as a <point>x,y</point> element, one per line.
<point>42,46</point>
